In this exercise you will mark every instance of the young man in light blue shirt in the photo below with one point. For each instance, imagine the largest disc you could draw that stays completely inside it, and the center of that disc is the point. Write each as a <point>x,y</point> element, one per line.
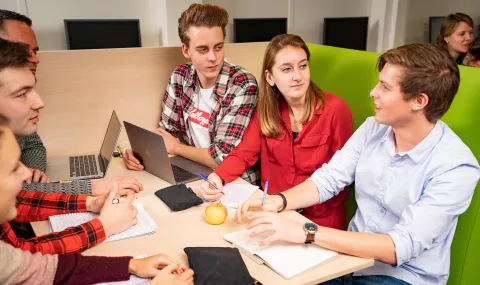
<point>413,178</point>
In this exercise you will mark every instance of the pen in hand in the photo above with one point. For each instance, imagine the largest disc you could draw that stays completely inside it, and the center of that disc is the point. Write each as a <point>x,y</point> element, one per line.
<point>265,192</point>
<point>211,184</point>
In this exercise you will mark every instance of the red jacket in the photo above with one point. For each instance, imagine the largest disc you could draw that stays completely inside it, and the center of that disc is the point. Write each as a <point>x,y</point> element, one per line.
<point>287,164</point>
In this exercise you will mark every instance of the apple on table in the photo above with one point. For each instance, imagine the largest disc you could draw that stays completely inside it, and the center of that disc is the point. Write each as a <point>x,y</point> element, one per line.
<point>216,213</point>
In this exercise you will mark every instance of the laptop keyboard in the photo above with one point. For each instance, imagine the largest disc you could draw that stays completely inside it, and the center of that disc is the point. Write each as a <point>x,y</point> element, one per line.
<point>83,165</point>
<point>181,174</point>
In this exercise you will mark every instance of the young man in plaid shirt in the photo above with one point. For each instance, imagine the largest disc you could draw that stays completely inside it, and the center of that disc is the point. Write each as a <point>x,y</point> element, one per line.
<point>208,102</point>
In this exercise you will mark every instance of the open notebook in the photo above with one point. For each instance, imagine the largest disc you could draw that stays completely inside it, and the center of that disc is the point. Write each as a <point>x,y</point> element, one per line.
<point>236,194</point>
<point>144,226</point>
<point>287,259</point>
<point>134,280</point>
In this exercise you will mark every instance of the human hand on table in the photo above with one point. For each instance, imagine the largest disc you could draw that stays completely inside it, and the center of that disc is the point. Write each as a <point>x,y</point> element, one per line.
<point>280,227</point>
<point>118,217</point>
<point>273,203</point>
<point>151,266</point>
<point>171,142</point>
<point>131,162</point>
<point>103,186</point>
<point>208,192</point>
<point>170,276</point>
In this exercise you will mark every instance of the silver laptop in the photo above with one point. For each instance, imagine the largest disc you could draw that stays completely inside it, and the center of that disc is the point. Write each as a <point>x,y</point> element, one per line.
<point>149,148</point>
<point>88,166</point>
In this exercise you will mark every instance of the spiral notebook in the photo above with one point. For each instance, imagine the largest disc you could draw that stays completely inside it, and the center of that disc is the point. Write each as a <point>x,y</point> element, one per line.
<point>144,226</point>
<point>134,280</point>
<point>287,259</point>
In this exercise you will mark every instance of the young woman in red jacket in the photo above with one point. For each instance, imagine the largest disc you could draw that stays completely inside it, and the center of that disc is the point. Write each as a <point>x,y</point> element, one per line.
<point>297,127</point>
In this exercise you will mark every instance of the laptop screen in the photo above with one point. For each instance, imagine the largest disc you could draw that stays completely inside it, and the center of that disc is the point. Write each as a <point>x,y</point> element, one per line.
<point>109,142</point>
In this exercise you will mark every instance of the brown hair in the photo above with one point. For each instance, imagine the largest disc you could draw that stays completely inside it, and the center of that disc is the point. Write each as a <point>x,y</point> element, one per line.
<point>13,54</point>
<point>201,15</point>
<point>269,96</point>
<point>427,69</point>
<point>449,25</point>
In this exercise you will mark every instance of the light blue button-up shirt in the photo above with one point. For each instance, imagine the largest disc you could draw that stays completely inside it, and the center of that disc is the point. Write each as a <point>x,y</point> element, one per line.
<point>415,197</point>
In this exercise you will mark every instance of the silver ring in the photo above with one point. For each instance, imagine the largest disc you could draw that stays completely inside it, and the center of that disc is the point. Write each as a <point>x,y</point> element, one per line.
<point>115,201</point>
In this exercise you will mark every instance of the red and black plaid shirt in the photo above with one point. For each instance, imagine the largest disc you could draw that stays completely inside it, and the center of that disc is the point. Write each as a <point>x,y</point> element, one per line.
<point>37,206</point>
<point>235,95</point>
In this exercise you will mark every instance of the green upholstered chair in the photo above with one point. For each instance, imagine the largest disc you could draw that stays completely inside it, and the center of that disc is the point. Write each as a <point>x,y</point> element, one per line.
<point>351,75</point>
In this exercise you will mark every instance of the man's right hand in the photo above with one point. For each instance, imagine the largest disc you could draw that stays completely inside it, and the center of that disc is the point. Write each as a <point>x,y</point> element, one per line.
<point>130,161</point>
<point>170,276</point>
<point>119,217</point>
<point>209,193</point>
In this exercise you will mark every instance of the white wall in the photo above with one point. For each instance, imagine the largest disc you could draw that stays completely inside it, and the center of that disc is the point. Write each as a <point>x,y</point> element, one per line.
<point>48,16</point>
<point>159,18</point>
<point>305,17</point>
<point>308,15</point>
<point>392,22</point>
<point>13,5</point>
<point>250,9</point>
<point>174,9</point>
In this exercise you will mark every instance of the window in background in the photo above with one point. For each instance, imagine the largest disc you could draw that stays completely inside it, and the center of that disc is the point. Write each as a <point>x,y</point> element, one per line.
<point>258,30</point>
<point>97,34</point>
<point>348,33</point>
<point>434,28</point>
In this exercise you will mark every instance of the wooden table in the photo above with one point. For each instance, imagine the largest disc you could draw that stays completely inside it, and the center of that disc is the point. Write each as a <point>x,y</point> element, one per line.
<point>177,230</point>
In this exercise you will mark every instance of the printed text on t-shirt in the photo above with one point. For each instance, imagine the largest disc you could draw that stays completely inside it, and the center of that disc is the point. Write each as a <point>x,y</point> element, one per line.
<point>199,117</point>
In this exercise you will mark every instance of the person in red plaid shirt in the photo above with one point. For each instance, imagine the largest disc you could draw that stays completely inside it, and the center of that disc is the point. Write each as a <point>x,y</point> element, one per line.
<point>16,81</point>
<point>38,206</point>
<point>22,267</point>
<point>208,103</point>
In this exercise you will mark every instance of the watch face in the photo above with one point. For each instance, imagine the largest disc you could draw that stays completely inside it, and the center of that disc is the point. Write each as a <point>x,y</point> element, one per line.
<point>311,227</point>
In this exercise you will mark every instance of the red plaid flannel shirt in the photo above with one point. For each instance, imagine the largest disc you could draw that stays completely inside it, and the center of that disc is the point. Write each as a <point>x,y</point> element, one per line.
<point>37,206</point>
<point>235,94</point>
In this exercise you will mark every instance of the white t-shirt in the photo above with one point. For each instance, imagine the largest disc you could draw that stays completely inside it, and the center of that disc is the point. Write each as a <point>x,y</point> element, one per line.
<point>199,117</point>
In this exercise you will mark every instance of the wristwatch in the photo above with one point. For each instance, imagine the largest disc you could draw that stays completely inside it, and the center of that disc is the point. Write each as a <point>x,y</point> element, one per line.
<point>310,230</point>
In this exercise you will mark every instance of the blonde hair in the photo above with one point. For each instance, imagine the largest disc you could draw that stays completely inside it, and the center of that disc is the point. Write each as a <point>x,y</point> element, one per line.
<point>269,96</point>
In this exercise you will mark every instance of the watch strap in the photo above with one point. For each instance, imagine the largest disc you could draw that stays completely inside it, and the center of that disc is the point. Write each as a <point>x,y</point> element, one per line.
<point>283,199</point>
<point>310,238</point>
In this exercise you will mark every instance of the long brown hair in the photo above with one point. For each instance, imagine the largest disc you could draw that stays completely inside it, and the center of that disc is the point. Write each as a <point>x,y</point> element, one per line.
<point>449,25</point>
<point>269,96</point>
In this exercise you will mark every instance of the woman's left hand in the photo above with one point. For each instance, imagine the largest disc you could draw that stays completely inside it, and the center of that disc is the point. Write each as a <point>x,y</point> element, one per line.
<point>281,228</point>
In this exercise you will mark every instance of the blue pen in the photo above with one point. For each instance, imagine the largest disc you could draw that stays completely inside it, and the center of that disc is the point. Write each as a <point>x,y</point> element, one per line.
<point>206,179</point>
<point>265,192</point>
